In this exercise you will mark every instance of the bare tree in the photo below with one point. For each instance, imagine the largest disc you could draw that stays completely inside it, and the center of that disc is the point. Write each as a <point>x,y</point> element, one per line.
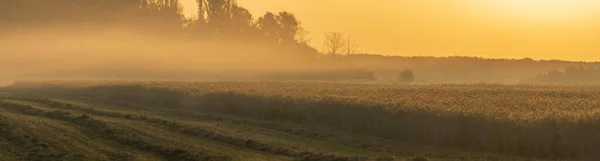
<point>334,43</point>
<point>302,36</point>
<point>351,46</point>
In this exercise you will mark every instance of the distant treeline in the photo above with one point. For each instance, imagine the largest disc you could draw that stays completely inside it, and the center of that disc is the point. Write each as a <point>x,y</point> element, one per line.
<point>571,75</point>
<point>216,18</point>
<point>349,74</point>
<point>86,14</point>
<point>226,22</point>
<point>218,22</point>
<point>461,69</point>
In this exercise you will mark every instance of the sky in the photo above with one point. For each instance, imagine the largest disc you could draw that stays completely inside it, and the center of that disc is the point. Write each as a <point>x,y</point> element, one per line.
<point>538,29</point>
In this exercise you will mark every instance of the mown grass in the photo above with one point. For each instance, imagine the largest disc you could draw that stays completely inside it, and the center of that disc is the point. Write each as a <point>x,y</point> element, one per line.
<point>147,132</point>
<point>74,139</point>
<point>320,142</point>
<point>546,122</point>
<point>245,131</point>
<point>186,129</point>
<point>146,127</point>
<point>114,134</point>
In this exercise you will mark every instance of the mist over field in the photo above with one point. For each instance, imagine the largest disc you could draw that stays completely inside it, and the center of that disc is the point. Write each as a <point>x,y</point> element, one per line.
<point>152,40</point>
<point>49,55</point>
<point>130,80</point>
<point>123,55</point>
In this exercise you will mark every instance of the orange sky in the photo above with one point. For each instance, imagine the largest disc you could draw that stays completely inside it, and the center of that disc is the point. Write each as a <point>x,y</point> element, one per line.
<point>540,29</point>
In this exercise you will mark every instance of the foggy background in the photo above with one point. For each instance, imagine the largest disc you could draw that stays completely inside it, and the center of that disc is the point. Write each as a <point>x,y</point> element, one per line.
<point>152,40</point>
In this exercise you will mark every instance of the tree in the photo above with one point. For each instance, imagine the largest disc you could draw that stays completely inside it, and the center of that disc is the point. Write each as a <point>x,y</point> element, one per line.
<point>219,14</point>
<point>156,15</point>
<point>241,18</point>
<point>283,27</point>
<point>351,46</point>
<point>288,27</point>
<point>168,12</point>
<point>269,26</point>
<point>223,17</point>
<point>302,36</point>
<point>202,12</point>
<point>334,43</point>
<point>407,76</point>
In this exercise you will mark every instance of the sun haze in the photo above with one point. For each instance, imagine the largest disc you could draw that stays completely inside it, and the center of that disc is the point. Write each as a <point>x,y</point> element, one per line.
<point>237,40</point>
<point>222,80</point>
<point>540,29</point>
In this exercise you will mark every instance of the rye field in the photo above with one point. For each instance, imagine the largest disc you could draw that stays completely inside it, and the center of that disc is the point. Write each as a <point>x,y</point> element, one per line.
<point>175,120</point>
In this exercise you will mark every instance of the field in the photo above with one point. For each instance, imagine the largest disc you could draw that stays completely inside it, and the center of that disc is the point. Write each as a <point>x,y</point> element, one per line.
<point>118,120</point>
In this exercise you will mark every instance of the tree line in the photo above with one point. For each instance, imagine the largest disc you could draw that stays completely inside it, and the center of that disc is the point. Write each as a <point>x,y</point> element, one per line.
<point>216,19</point>
<point>570,75</point>
<point>85,14</point>
<point>221,23</point>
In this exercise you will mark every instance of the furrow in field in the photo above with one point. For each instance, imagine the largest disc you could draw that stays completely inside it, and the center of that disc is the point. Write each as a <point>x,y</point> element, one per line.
<point>375,144</point>
<point>74,138</point>
<point>198,132</point>
<point>22,145</point>
<point>108,131</point>
<point>165,136</point>
<point>308,138</point>
<point>279,131</point>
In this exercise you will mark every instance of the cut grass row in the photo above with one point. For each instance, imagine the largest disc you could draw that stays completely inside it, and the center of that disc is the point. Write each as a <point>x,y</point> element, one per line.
<point>102,129</point>
<point>278,134</point>
<point>551,138</point>
<point>352,140</point>
<point>72,139</point>
<point>342,142</point>
<point>528,121</point>
<point>155,134</point>
<point>25,146</point>
<point>199,132</point>
<point>257,127</point>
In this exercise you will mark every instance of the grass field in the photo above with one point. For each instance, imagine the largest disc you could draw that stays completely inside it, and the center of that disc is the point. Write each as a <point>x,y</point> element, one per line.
<point>104,120</point>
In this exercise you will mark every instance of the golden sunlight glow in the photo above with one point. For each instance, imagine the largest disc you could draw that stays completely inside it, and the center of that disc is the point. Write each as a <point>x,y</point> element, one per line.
<point>540,29</point>
<point>190,8</point>
<point>544,9</point>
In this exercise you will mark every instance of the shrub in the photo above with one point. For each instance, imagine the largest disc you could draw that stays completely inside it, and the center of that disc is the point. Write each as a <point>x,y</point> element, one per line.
<point>407,76</point>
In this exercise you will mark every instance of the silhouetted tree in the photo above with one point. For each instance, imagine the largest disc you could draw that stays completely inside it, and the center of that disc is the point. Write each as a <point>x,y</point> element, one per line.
<point>82,14</point>
<point>220,15</point>
<point>202,12</point>
<point>334,43</point>
<point>289,27</point>
<point>269,26</point>
<point>351,46</point>
<point>283,27</point>
<point>571,75</point>
<point>407,76</point>
<point>223,18</point>
<point>302,36</point>
<point>241,18</point>
<point>168,13</point>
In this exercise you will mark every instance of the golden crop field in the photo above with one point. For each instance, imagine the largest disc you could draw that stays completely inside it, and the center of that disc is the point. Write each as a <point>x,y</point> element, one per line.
<point>522,121</point>
<point>525,103</point>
